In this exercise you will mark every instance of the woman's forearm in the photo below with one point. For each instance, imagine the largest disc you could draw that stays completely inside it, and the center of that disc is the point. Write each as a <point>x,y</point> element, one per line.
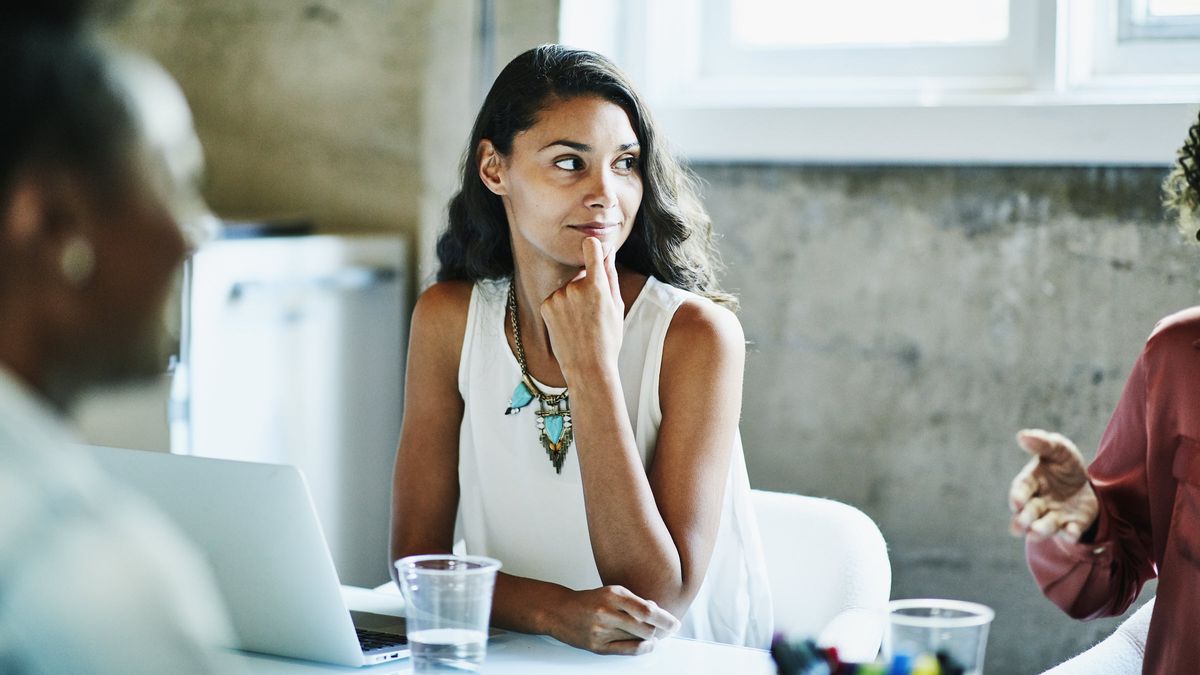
<point>630,541</point>
<point>526,605</point>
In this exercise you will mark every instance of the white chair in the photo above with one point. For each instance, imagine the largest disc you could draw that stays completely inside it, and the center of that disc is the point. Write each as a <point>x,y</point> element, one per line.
<point>1118,654</point>
<point>828,567</point>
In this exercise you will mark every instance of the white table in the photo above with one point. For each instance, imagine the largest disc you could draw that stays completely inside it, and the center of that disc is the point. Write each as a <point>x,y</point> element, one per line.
<point>519,654</point>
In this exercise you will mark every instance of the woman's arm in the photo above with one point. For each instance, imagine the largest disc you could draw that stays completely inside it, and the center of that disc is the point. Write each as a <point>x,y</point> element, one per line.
<point>651,532</point>
<point>425,479</point>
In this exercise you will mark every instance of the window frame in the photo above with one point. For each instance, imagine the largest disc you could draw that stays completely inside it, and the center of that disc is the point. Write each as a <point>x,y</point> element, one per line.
<point>1165,28</point>
<point>1062,109</point>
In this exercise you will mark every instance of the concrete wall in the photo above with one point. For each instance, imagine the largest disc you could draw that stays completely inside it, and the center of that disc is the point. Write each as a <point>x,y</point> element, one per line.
<point>304,108</point>
<point>907,321</point>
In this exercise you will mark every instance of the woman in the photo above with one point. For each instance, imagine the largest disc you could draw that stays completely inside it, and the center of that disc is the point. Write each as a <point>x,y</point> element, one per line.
<point>574,382</point>
<point>1095,535</point>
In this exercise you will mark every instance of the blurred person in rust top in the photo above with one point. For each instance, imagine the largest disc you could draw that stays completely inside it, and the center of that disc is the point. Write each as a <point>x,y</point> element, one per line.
<point>1095,535</point>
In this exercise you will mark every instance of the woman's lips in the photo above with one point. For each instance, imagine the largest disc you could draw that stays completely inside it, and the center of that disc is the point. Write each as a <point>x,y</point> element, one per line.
<point>595,229</point>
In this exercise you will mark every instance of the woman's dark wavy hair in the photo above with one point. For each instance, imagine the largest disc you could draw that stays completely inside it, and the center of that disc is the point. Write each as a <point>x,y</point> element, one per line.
<point>1181,189</point>
<point>671,237</point>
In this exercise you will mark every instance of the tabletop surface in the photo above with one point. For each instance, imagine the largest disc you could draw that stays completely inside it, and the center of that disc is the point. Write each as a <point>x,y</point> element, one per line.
<point>517,653</point>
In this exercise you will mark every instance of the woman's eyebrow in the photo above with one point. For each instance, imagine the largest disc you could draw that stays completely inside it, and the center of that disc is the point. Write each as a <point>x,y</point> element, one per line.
<point>580,147</point>
<point>584,147</point>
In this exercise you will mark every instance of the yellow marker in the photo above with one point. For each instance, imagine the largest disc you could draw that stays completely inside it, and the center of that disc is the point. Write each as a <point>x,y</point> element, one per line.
<point>926,664</point>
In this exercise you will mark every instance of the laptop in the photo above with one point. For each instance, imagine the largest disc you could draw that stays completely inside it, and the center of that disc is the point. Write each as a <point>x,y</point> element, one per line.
<point>257,526</point>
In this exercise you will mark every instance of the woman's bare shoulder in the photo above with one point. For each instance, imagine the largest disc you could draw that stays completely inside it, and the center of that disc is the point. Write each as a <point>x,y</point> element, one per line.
<point>445,301</point>
<point>701,328</point>
<point>699,318</point>
<point>439,321</point>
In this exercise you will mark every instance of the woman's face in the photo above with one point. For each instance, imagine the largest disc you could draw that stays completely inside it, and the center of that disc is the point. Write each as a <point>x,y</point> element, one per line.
<point>573,174</point>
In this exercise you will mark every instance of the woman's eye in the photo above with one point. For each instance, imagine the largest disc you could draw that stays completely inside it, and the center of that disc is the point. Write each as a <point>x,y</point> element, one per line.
<point>569,163</point>
<point>627,163</point>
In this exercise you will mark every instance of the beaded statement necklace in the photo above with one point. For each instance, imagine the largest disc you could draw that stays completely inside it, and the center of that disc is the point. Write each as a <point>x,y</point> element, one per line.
<point>554,410</point>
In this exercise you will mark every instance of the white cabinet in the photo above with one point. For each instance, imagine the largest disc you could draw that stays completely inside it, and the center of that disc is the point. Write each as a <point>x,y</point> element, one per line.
<point>296,356</point>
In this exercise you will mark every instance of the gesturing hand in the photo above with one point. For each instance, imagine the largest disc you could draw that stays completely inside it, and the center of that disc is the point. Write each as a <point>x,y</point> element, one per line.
<point>1051,495</point>
<point>585,317</point>
<point>612,620</point>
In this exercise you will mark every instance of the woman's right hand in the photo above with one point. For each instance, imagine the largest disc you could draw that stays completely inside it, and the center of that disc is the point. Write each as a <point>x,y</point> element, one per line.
<point>1051,496</point>
<point>611,620</point>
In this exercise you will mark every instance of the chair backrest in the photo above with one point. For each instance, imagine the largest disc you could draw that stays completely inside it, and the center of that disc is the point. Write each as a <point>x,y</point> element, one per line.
<point>1120,653</point>
<point>828,567</point>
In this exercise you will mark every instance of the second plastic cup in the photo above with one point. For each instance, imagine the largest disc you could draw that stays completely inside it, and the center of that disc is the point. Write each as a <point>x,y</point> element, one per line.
<point>928,626</point>
<point>448,601</point>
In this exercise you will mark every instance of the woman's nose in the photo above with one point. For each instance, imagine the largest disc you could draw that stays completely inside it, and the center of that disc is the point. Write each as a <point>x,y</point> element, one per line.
<point>602,193</point>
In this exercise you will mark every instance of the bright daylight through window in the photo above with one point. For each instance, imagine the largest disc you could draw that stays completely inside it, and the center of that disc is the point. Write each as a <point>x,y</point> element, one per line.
<point>1053,81</point>
<point>811,23</point>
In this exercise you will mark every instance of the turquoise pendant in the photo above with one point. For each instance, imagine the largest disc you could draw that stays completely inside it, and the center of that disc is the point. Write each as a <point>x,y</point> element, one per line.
<point>554,427</point>
<point>521,397</point>
<point>553,423</point>
<point>556,434</point>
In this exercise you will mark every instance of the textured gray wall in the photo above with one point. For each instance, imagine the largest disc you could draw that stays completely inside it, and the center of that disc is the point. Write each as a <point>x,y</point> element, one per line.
<point>304,108</point>
<point>907,321</point>
<point>351,112</point>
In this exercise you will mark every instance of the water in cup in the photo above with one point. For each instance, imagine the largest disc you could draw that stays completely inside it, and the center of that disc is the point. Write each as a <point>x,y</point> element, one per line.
<point>448,650</point>
<point>448,601</point>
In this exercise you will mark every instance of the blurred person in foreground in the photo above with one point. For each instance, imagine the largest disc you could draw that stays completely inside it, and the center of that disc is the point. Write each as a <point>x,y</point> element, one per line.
<point>91,579</point>
<point>1094,535</point>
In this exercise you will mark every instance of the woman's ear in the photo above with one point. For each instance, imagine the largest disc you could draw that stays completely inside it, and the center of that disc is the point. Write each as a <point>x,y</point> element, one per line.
<point>43,224</point>
<point>491,167</point>
<point>24,214</point>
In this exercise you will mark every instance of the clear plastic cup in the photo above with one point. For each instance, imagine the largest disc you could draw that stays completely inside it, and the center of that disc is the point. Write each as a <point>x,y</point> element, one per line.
<point>930,625</point>
<point>448,600</point>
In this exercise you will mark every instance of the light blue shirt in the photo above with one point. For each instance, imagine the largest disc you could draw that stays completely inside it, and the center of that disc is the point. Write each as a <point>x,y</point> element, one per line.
<point>92,579</point>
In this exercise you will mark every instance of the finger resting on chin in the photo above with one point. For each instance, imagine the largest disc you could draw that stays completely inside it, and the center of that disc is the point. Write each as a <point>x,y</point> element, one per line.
<point>593,252</point>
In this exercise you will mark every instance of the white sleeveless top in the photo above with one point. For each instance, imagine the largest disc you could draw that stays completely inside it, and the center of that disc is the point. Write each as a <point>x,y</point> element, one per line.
<point>514,507</point>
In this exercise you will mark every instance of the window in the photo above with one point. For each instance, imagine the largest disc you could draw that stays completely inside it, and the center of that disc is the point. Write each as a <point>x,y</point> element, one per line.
<point>1159,19</point>
<point>1007,81</point>
<point>807,50</point>
<point>808,23</point>
<point>1134,45</point>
